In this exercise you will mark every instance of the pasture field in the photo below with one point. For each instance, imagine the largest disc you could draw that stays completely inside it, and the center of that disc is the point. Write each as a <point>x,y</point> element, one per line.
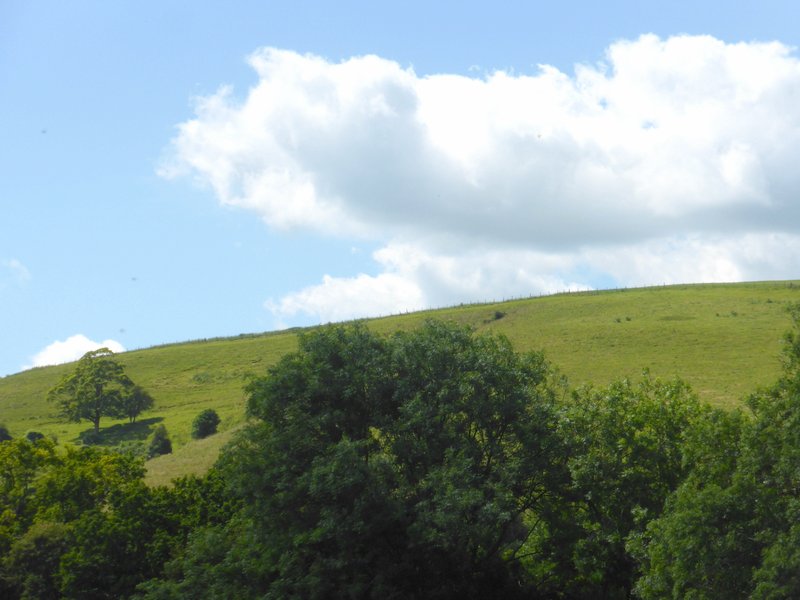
<point>723,339</point>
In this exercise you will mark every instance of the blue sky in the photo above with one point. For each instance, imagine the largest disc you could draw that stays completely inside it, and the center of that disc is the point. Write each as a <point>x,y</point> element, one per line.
<point>181,170</point>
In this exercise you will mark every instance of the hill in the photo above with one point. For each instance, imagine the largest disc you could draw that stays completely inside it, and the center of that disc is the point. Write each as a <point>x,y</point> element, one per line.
<point>724,339</point>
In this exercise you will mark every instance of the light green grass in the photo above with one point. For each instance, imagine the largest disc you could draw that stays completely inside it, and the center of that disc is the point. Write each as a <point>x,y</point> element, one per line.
<point>724,339</point>
<point>191,459</point>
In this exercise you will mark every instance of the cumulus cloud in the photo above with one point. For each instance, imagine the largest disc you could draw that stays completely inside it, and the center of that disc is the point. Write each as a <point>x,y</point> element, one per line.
<point>339,299</point>
<point>669,160</point>
<point>69,350</point>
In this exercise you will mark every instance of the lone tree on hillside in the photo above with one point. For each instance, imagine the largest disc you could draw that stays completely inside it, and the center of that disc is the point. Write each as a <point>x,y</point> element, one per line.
<point>98,387</point>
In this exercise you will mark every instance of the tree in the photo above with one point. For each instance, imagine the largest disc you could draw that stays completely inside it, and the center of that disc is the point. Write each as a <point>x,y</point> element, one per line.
<point>31,565</point>
<point>408,466</point>
<point>5,436</point>
<point>133,402</point>
<point>119,530</point>
<point>625,458</point>
<point>21,465</point>
<point>98,387</point>
<point>205,424</point>
<point>79,522</point>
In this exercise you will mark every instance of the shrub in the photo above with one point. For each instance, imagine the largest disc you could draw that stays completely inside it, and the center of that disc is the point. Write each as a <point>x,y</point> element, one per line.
<point>159,443</point>
<point>32,436</point>
<point>205,424</point>
<point>4,433</point>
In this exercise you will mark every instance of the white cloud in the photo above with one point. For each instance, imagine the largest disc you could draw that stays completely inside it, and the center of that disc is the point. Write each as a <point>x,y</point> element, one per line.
<point>339,299</point>
<point>671,160</point>
<point>69,350</point>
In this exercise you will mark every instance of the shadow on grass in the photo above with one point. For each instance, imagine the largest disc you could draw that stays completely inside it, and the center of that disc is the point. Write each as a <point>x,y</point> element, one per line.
<point>119,433</point>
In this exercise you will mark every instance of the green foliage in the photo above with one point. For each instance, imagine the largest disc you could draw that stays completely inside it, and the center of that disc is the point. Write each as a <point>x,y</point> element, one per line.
<point>4,433</point>
<point>30,568</point>
<point>82,524</point>
<point>84,478</point>
<point>222,561</point>
<point>159,443</point>
<point>98,387</point>
<point>626,457</point>
<point>384,467</point>
<point>778,575</point>
<point>20,465</point>
<point>205,424</point>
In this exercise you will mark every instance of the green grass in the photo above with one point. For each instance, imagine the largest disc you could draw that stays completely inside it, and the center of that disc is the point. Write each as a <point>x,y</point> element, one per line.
<point>191,459</point>
<point>724,339</point>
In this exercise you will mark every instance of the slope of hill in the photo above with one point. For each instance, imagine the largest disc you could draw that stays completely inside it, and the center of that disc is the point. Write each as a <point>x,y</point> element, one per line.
<point>724,339</point>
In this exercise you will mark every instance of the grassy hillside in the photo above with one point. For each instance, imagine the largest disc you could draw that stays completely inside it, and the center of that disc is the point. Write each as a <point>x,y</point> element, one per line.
<point>725,340</point>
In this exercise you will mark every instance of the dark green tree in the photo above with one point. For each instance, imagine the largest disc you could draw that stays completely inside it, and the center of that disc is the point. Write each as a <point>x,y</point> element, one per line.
<point>120,532</point>
<point>134,400</point>
<point>159,442</point>
<point>625,458</point>
<point>205,424</point>
<point>96,388</point>
<point>31,567</point>
<point>409,466</point>
<point>5,435</point>
<point>21,466</point>
<point>79,522</point>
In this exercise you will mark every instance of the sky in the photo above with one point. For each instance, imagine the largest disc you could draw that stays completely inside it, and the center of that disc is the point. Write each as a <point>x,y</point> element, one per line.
<point>172,171</point>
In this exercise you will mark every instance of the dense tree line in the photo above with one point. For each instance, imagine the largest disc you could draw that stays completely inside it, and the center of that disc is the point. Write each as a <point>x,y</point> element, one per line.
<point>437,463</point>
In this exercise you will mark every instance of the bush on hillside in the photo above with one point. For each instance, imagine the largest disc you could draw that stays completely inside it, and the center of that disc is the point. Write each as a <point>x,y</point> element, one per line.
<point>4,433</point>
<point>33,436</point>
<point>205,424</point>
<point>159,443</point>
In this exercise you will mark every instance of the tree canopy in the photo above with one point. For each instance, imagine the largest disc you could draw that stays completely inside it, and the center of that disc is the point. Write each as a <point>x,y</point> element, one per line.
<point>398,467</point>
